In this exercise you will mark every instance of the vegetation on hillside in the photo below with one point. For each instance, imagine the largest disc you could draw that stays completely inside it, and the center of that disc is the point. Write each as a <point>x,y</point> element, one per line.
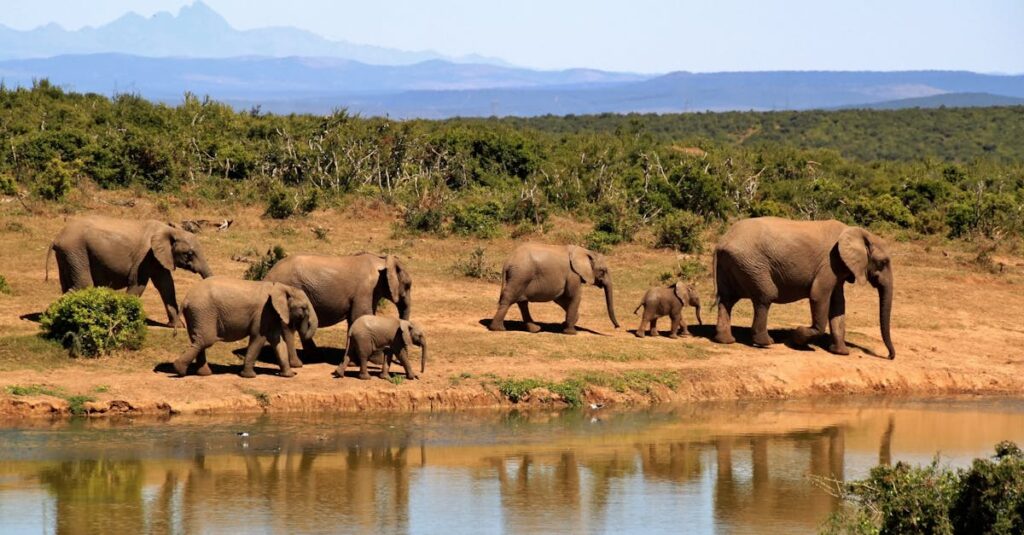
<point>955,172</point>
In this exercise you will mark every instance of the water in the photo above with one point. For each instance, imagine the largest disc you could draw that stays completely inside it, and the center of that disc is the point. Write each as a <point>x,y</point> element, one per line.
<point>735,468</point>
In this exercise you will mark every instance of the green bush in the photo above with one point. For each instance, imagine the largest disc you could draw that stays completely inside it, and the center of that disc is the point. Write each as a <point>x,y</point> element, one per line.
<point>479,220</point>
<point>476,267</point>
<point>7,185</point>
<point>56,180</point>
<point>868,211</point>
<point>259,268</point>
<point>279,205</point>
<point>680,230</point>
<point>988,497</point>
<point>5,288</point>
<point>95,321</point>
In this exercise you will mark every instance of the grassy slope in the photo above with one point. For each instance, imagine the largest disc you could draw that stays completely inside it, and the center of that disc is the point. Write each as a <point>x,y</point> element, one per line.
<point>948,340</point>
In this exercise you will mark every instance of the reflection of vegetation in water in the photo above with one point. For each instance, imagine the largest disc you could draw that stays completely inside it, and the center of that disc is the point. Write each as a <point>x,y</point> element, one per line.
<point>97,496</point>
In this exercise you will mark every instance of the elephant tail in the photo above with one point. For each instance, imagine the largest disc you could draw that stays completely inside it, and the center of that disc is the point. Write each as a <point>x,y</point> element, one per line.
<point>637,309</point>
<point>714,276</point>
<point>49,253</point>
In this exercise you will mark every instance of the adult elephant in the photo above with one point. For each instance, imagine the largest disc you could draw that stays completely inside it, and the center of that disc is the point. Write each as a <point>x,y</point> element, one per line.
<point>774,260</point>
<point>346,287</point>
<point>126,253</point>
<point>540,273</point>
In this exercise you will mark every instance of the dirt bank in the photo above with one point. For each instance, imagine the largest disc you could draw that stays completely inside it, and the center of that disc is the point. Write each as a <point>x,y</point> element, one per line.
<point>957,327</point>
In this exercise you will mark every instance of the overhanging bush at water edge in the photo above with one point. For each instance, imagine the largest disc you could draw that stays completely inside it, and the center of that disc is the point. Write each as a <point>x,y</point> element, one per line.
<point>95,321</point>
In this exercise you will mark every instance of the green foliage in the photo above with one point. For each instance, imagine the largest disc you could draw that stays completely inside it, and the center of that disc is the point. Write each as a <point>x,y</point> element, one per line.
<point>478,220</point>
<point>397,379</point>
<point>988,497</point>
<point>95,321</point>
<point>680,230</point>
<point>4,287</point>
<point>76,402</point>
<point>259,268</point>
<point>7,185</point>
<point>56,180</point>
<point>476,267</point>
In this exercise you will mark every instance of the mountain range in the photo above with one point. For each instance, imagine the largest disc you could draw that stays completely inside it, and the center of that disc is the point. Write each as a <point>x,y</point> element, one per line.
<point>289,70</point>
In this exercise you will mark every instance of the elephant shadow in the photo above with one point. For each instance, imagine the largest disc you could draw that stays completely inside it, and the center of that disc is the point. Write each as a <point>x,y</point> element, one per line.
<point>745,336</point>
<point>216,369</point>
<point>663,333</point>
<point>322,355</point>
<point>555,328</point>
<point>32,316</point>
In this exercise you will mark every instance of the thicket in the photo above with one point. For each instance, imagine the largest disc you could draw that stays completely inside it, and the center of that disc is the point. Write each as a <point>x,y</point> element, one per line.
<point>95,321</point>
<point>988,497</point>
<point>951,172</point>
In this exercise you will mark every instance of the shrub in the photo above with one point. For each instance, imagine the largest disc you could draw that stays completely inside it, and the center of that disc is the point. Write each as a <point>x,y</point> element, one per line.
<point>867,211</point>
<point>95,321</point>
<point>279,206</point>
<point>259,268</point>
<point>5,288</point>
<point>56,180</point>
<point>479,220</point>
<point>991,494</point>
<point>681,231</point>
<point>424,219</point>
<point>7,185</point>
<point>475,267</point>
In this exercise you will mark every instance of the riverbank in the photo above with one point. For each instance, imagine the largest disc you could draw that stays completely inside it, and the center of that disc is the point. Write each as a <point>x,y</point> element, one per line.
<point>950,337</point>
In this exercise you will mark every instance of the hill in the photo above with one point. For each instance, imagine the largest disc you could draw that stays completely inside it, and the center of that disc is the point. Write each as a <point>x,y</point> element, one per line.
<point>948,100</point>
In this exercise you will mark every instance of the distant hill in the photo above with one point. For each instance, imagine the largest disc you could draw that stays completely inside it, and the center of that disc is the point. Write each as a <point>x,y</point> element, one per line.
<point>948,100</point>
<point>441,89</point>
<point>199,31</point>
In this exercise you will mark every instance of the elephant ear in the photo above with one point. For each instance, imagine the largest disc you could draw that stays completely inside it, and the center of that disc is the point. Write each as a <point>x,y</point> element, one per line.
<point>404,329</point>
<point>853,250</point>
<point>582,263</point>
<point>162,245</point>
<point>691,294</point>
<point>279,300</point>
<point>681,292</point>
<point>393,266</point>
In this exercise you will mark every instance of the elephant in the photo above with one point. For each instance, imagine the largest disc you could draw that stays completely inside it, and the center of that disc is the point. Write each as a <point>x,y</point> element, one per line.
<point>346,287</point>
<point>124,253</point>
<point>774,260</point>
<point>223,309</point>
<point>667,301</point>
<point>371,334</point>
<point>539,273</point>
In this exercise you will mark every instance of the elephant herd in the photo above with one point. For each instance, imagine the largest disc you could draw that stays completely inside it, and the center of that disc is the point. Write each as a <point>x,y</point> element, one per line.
<point>767,260</point>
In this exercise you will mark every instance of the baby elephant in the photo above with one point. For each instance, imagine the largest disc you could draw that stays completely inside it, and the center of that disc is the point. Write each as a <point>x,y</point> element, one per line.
<point>370,334</point>
<point>667,300</point>
<point>222,309</point>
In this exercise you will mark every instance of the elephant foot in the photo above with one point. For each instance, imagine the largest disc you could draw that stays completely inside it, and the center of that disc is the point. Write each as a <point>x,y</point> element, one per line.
<point>412,376</point>
<point>204,370</point>
<point>247,373</point>
<point>673,335</point>
<point>533,327</point>
<point>802,335</point>
<point>496,326</point>
<point>385,375</point>
<point>286,373</point>
<point>569,330</point>
<point>762,340</point>
<point>839,349</point>
<point>724,338</point>
<point>295,363</point>
<point>364,376</point>
<point>640,334</point>
<point>181,368</point>
<point>338,373</point>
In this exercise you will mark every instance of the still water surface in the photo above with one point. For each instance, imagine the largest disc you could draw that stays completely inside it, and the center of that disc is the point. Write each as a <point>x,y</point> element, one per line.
<point>736,468</point>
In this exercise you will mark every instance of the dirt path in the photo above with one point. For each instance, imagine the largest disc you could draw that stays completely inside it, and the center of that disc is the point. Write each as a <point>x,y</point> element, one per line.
<point>947,337</point>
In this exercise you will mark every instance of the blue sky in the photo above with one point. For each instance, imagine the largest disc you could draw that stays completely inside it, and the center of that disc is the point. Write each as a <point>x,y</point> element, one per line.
<point>634,35</point>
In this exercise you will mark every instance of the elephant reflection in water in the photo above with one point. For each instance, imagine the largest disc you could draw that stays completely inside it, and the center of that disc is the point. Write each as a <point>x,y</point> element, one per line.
<point>677,462</point>
<point>97,496</point>
<point>299,489</point>
<point>747,502</point>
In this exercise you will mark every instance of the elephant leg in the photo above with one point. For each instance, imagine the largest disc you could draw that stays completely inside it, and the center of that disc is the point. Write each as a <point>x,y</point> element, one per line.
<point>572,312</point>
<point>283,357</point>
<point>289,341</point>
<point>309,346</point>
<point>760,327</point>
<point>202,366</point>
<point>837,321</point>
<point>723,331</point>
<point>643,323</point>
<point>652,327</point>
<point>674,326</point>
<point>385,365</point>
<point>498,322</point>
<point>165,287</point>
<point>186,358</point>
<point>524,309</point>
<point>403,357</point>
<point>364,373</point>
<point>819,319</point>
<point>339,372</point>
<point>256,344</point>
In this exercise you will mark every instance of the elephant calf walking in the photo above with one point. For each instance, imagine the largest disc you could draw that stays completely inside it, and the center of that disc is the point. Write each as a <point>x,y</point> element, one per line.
<point>667,301</point>
<point>221,309</point>
<point>371,334</point>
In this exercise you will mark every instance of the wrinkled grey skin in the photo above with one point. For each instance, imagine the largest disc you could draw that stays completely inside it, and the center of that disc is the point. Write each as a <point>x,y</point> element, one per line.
<point>773,260</point>
<point>346,287</point>
<point>222,309</point>
<point>372,334</point>
<point>539,273</point>
<point>125,253</point>
<point>667,301</point>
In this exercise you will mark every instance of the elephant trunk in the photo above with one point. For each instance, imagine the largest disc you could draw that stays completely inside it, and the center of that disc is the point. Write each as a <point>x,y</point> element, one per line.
<point>203,269</point>
<point>610,303</point>
<point>885,291</point>
<point>404,306</point>
<point>697,308</point>
<point>307,329</point>
<point>423,356</point>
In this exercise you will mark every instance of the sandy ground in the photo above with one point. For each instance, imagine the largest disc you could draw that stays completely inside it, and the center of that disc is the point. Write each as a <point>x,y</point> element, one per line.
<point>956,325</point>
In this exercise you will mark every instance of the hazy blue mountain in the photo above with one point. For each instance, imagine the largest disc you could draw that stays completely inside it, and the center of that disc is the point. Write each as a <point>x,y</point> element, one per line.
<point>438,89</point>
<point>948,100</point>
<point>198,31</point>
